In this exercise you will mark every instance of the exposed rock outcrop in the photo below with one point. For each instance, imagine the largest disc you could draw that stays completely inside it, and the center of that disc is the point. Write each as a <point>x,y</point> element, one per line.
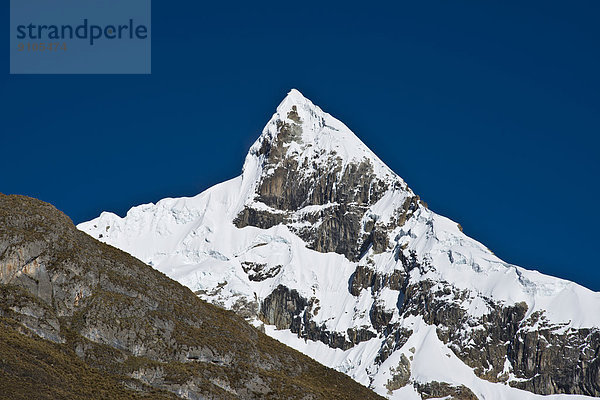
<point>286,309</point>
<point>444,390</point>
<point>400,375</point>
<point>546,359</point>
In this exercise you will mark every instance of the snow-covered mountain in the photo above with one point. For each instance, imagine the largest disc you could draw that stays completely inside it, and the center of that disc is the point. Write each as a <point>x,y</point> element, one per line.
<point>327,249</point>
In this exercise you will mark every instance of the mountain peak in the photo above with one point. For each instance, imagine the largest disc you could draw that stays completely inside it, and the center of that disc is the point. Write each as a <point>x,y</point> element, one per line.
<point>302,131</point>
<point>296,100</point>
<point>306,161</point>
<point>295,97</point>
<point>324,244</point>
<point>299,109</point>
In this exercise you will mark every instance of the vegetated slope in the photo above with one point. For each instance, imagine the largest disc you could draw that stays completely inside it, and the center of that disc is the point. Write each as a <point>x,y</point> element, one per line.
<point>31,367</point>
<point>331,250</point>
<point>82,319</point>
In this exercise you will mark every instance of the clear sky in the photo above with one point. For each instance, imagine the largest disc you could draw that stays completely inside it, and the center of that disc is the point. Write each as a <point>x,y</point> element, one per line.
<point>489,110</point>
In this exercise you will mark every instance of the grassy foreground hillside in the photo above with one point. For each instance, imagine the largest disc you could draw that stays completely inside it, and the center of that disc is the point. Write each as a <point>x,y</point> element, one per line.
<point>80,320</point>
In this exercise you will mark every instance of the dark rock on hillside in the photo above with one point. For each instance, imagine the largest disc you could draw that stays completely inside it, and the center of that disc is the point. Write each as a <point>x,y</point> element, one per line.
<point>364,278</point>
<point>89,312</point>
<point>547,359</point>
<point>443,390</point>
<point>286,309</point>
<point>401,375</point>
<point>283,307</point>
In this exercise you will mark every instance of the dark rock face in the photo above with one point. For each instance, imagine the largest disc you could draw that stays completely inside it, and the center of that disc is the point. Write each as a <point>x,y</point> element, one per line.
<point>400,375</point>
<point>443,390</point>
<point>396,338</point>
<point>549,361</point>
<point>339,232</point>
<point>282,308</point>
<point>286,309</point>
<point>259,272</point>
<point>380,317</point>
<point>259,218</point>
<point>558,363</point>
<point>364,277</point>
<point>129,324</point>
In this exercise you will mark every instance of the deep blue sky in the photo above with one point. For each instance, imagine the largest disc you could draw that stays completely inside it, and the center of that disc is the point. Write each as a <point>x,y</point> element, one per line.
<point>491,112</point>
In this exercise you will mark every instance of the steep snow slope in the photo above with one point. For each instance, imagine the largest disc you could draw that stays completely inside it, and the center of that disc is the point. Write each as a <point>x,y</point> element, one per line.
<point>323,243</point>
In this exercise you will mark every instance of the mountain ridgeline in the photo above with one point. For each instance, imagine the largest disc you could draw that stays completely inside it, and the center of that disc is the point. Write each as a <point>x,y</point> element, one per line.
<point>80,319</point>
<point>324,247</point>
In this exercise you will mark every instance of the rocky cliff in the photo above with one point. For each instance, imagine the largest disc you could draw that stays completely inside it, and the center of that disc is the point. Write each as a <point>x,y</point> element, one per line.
<point>328,248</point>
<point>80,319</point>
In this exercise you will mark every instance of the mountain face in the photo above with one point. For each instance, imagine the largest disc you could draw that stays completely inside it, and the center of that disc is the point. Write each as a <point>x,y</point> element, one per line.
<point>324,247</point>
<point>83,320</point>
